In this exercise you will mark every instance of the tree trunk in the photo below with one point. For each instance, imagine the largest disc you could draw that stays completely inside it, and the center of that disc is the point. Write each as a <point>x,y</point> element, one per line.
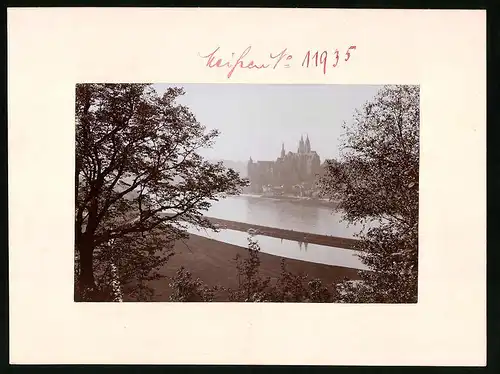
<point>86,276</point>
<point>86,270</point>
<point>85,247</point>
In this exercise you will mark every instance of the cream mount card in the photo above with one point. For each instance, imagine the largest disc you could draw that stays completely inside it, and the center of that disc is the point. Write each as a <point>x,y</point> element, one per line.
<point>50,51</point>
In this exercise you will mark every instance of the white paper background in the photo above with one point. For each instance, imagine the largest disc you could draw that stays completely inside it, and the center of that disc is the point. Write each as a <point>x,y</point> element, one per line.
<point>49,50</point>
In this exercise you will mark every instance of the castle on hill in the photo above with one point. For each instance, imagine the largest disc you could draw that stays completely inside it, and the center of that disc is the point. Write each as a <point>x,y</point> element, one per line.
<point>292,172</point>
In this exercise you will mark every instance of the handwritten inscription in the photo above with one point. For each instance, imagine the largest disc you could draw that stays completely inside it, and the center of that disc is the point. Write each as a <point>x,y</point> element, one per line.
<point>282,59</point>
<point>321,58</point>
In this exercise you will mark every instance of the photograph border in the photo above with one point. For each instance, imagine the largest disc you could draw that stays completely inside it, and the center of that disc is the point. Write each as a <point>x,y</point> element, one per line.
<point>68,65</point>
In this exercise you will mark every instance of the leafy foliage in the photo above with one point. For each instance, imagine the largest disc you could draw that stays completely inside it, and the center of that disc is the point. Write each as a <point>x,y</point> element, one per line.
<point>185,288</point>
<point>300,288</point>
<point>137,158</point>
<point>377,179</point>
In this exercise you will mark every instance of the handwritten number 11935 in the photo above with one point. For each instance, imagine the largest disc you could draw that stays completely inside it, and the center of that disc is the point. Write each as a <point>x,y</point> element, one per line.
<point>318,58</point>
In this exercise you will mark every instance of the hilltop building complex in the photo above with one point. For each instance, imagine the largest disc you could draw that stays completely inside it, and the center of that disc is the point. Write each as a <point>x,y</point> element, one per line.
<point>292,172</point>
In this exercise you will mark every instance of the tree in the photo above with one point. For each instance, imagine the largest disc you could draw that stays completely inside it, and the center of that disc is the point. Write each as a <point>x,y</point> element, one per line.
<point>251,286</point>
<point>376,179</point>
<point>139,179</point>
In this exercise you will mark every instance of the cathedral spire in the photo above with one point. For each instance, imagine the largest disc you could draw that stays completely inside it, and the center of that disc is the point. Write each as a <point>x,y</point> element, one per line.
<point>308,145</point>
<point>301,144</point>
<point>282,149</point>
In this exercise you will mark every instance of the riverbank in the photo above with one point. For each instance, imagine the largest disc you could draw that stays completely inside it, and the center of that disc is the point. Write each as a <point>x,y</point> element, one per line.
<point>213,262</point>
<point>331,241</point>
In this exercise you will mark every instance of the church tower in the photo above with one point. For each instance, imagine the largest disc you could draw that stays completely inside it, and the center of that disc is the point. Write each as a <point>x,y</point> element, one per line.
<point>282,150</point>
<point>308,145</point>
<point>301,145</point>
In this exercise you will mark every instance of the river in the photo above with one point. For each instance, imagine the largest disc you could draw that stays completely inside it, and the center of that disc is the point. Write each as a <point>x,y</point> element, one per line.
<point>283,214</point>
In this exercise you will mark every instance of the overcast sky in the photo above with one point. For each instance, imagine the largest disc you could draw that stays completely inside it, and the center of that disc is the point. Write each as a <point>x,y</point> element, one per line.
<point>254,119</point>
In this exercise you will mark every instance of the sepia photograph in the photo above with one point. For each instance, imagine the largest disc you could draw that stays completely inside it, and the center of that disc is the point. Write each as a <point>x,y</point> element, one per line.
<point>246,193</point>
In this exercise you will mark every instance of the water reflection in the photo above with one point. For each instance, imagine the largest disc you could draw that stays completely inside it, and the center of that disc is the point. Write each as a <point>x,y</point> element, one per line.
<point>274,210</point>
<point>283,214</point>
<point>288,248</point>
